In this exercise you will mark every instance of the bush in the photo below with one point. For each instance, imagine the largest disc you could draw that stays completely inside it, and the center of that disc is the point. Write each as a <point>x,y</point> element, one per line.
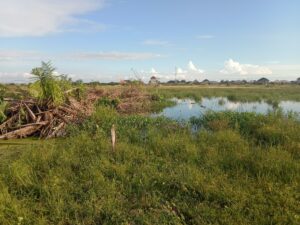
<point>272,129</point>
<point>107,102</point>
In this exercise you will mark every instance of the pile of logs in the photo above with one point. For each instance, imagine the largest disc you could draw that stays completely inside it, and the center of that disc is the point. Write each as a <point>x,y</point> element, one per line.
<point>30,118</point>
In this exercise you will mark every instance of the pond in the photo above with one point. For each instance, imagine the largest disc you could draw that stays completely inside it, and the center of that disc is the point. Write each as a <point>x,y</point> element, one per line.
<point>187,108</point>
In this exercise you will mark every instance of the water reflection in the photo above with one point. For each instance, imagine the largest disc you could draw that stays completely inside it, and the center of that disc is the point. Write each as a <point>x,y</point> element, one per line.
<point>187,108</point>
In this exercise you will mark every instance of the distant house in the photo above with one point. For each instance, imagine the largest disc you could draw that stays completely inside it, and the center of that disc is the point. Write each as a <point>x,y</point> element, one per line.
<point>153,81</point>
<point>196,82</point>
<point>263,81</point>
<point>206,81</point>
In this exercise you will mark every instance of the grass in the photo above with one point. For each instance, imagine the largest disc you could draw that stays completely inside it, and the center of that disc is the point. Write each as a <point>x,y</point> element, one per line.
<point>11,150</point>
<point>237,169</point>
<point>272,93</point>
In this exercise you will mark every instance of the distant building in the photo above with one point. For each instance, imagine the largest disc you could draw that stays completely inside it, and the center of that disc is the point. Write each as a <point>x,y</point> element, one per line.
<point>196,82</point>
<point>206,81</point>
<point>153,81</point>
<point>298,81</point>
<point>263,81</point>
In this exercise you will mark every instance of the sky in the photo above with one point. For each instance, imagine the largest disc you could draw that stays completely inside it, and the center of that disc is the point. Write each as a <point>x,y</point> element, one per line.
<point>112,40</point>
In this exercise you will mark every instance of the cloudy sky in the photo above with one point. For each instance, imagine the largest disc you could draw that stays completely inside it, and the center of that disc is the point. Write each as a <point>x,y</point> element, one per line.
<point>107,40</point>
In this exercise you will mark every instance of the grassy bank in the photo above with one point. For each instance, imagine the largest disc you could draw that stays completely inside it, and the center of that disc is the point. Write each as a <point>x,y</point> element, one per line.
<point>237,169</point>
<point>271,93</point>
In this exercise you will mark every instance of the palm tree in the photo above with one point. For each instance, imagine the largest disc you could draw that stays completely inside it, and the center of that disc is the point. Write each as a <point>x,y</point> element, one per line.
<point>47,83</point>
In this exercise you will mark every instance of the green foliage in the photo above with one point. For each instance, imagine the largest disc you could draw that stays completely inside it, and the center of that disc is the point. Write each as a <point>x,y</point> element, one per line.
<point>235,168</point>
<point>3,106</point>
<point>272,129</point>
<point>81,88</point>
<point>2,103</point>
<point>159,102</point>
<point>2,92</point>
<point>272,94</point>
<point>47,86</point>
<point>108,102</point>
<point>161,173</point>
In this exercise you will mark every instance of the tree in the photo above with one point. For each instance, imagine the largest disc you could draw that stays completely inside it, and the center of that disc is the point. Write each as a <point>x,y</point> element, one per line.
<point>47,85</point>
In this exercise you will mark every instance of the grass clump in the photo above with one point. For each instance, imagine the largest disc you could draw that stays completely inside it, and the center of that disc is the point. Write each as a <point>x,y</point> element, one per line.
<point>161,173</point>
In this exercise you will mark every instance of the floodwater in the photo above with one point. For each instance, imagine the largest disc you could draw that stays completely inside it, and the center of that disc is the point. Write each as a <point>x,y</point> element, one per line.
<point>187,108</point>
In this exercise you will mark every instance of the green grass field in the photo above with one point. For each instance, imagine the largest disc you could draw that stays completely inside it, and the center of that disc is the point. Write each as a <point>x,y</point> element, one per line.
<point>235,93</point>
<point>238,168</point>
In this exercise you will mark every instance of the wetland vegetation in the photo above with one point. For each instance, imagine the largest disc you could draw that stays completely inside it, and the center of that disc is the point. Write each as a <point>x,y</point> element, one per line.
<point>243,93</point>
<point>237,168</point>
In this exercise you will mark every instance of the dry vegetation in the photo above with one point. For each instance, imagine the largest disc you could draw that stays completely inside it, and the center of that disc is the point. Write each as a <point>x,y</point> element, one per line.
<point>52,102</point>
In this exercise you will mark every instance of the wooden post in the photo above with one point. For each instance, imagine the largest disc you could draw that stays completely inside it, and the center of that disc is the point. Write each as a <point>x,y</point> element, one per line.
<point>113,137</point>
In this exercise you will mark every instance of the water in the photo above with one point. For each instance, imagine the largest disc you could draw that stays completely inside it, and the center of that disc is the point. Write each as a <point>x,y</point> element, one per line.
<point>187,108</point>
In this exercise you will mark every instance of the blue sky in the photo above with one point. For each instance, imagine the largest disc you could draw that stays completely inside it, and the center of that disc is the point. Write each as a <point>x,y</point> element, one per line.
<point>104,39</point>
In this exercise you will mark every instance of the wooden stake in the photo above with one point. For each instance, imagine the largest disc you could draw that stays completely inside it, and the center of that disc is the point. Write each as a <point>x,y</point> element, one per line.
<point>113,137</point>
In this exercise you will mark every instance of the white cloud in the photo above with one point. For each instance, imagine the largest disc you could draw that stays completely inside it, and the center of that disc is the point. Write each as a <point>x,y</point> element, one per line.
<point>155,42</point>
<point>236,68</point>
<point>191,73</point>
<point>181,74</point>
<point>115,56</point>
<point>193,68</point>
<point>15,77</point>
<point>180,71</point>
<point>206,36</point>
<point>154,72</point>
<point>18,55</point>
<point>40,17</point>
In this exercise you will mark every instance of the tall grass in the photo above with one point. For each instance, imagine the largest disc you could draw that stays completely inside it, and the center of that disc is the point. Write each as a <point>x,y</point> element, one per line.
<point>230,172</point>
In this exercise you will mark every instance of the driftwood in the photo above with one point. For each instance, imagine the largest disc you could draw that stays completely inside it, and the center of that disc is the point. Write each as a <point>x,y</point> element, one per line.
<point>31,118</point>
<point>56,130</point>
<point>31,114</point>
<point>21,133</point>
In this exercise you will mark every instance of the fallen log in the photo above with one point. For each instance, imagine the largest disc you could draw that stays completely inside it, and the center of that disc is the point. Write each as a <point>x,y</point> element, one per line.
<point>56,130</point>
<point>31,114</point>
<point>9,122</point>
<point>21,133</point>
<point>43,123</point>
